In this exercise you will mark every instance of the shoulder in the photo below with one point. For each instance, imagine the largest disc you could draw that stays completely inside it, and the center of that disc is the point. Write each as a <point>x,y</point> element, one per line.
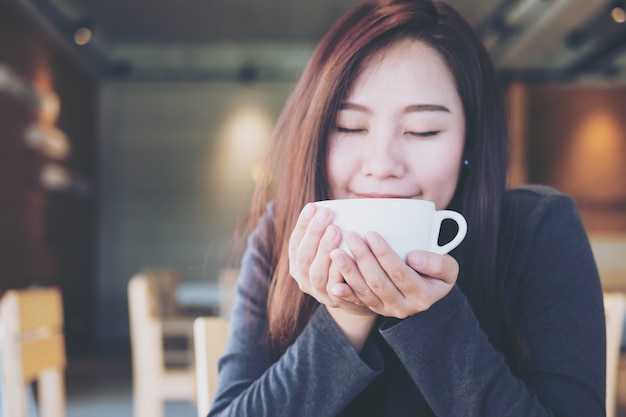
<point>540,219</point>
<point>264,227</point>
<point>258,254</point>
<point>537,217</point>
<point>536,203</point>
<point>533,195</point>
<point>543,242</point>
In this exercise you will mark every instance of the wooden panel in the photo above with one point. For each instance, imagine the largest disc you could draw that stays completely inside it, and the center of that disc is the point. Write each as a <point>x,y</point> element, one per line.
<point>39,308</point>
<point>576,144</point>
<point>47,237</point>
<point>25,256</point>
<point>38,354</point>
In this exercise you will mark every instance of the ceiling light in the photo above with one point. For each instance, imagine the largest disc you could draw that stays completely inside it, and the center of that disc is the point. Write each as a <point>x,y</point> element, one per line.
<point>54,177</point>
<point>618,14</point>
<point>82,35</point>
<point>51,141</point>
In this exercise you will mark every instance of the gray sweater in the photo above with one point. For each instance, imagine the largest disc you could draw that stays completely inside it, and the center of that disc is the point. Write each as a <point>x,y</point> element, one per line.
<point>439,362</point>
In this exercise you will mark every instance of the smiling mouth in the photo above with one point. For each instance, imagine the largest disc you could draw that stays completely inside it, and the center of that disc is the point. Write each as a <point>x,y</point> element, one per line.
<point>376,195</point>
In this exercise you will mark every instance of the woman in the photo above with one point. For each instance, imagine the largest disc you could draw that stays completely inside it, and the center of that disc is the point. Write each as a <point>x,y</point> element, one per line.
<point>400,100</point>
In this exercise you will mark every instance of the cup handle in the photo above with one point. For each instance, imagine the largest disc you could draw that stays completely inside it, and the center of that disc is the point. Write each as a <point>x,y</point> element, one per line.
<point>440,216</point>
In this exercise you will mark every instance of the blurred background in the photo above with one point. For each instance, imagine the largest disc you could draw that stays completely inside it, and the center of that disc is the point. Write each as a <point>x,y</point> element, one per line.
<point>131,133</point>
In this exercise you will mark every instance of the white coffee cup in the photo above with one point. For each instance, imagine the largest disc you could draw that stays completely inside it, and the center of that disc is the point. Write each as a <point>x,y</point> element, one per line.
<point>406,224</point>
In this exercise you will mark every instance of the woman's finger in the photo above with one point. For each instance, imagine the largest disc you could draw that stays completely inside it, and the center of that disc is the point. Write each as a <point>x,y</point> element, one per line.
<point>320,265</point>
<point>298,233</point>
<point>425,278</point>
<point>305,249</point>
<point>342,295</point>
<point>375,259</point>
<point>353,270</point>
<point>443,267</point>
<point>337,288</point>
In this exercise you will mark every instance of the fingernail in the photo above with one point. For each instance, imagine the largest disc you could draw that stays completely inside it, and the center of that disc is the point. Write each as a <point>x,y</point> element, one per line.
<point>308,211</point>
<point>338,258</point>
<point>373,239</point>
<point>336,290</point>
<point>322,216</point>
<point>331,234</point>
<point>351,239</point>
<point>417,259</point>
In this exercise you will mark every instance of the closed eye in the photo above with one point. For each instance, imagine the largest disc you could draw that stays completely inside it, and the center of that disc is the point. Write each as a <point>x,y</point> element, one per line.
<point>350,131</point>
<point>423,134</point>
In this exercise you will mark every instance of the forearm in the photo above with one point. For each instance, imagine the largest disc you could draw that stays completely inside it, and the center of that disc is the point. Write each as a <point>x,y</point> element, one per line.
<point>453,364</point>
<point>318,376</point>
<point>459,372</point>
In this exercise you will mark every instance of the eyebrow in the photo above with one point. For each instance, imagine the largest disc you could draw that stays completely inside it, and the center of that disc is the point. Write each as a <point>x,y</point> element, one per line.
<point>409,109</point>
<point>426,107</point>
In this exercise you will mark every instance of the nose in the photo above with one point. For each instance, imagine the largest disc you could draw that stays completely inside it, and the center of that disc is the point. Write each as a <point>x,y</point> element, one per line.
<point>383,158</point>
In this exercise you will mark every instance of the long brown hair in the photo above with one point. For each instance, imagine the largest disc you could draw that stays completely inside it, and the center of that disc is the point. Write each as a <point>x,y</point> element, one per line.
<point>297,154</point>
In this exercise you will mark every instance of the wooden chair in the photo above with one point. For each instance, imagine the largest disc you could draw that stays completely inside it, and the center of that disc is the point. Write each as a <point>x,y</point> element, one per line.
<point>210,335</point>
<point>33,349</point>
<point>614,308</point>
<point>154,382</point>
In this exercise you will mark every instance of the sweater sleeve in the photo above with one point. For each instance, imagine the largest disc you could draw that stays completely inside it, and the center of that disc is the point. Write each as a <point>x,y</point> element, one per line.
<point>560,311</point>
<point>317,376</point>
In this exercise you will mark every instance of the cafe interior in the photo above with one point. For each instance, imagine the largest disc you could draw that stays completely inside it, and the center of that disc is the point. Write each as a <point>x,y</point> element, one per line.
<point>131,138</point>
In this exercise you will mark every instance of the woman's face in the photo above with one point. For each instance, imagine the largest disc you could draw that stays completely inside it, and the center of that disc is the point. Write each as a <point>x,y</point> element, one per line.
<point>401,130</point>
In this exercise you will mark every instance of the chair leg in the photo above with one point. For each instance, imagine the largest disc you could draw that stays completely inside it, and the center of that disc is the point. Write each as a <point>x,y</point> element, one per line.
<point>51,392</point>
<point>15,401</point>
<point>147,404</point>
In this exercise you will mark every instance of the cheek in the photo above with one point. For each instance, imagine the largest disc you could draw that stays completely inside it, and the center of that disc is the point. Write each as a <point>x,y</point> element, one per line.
<point>442,172</point>
<point>448,174</point>
<point>338,165</point>
<point>438,173</point>
<point>443,183</point>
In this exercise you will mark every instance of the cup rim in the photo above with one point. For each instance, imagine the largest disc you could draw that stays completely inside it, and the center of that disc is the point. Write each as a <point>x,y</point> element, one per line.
<point>376,199</point>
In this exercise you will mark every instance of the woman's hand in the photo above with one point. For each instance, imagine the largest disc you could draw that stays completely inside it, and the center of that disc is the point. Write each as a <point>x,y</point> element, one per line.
<point>310,245</point>
<point>380,280</point>
<point>312,240</point>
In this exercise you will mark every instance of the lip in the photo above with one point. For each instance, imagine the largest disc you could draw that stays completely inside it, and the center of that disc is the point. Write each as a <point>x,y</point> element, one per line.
<point>377,195</point>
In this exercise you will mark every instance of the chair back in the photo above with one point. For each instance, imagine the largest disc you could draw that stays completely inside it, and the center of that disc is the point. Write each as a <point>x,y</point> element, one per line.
<point>33,349</point>
<point>145,328</point>
<point>153,320</point>
<point>614,310</point>
<point>210,335</point>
